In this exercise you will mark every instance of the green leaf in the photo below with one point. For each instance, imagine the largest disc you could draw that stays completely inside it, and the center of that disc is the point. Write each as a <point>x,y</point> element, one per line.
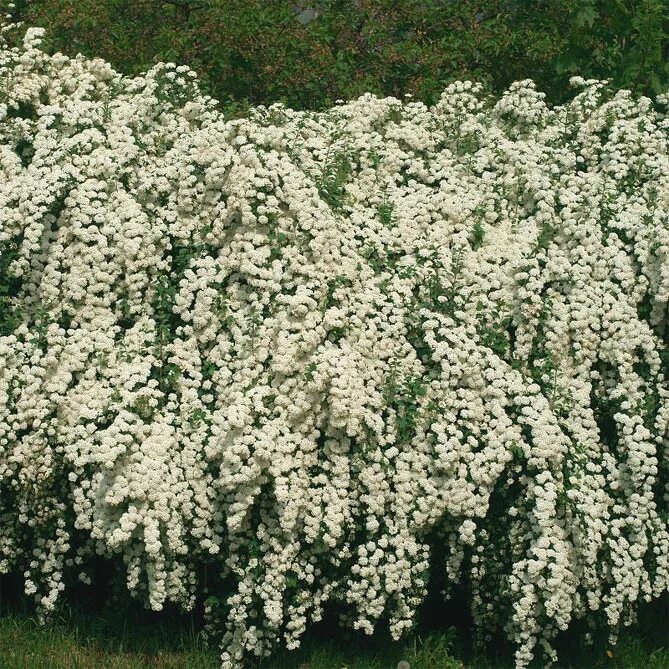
<point>586,16</point>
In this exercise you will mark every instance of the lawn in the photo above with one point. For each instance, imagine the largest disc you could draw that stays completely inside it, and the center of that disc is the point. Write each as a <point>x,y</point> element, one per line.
<point>126,638</point>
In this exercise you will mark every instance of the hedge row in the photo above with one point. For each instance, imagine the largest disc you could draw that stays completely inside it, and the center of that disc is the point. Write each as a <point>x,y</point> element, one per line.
<point>310,359</point>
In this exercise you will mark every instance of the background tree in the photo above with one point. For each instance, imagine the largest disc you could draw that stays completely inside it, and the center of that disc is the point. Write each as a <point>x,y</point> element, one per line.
<point>308,55</point>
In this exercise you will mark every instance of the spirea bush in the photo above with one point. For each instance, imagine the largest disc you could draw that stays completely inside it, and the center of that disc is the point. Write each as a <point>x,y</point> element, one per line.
<point>303,360</point>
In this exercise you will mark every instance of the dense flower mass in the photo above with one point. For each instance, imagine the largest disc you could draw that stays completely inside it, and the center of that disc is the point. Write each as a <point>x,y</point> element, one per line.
<point>319,357</point>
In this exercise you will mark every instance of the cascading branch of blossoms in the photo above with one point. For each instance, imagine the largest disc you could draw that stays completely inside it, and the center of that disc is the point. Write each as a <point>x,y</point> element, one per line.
<point>306,353</point>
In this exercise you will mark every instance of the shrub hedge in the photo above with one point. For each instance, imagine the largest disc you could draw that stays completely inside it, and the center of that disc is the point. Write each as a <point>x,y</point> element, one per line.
<point>307,359</point>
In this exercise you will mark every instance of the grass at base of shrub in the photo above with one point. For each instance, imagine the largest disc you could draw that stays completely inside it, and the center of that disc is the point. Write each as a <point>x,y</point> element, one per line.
<point>124,638</point>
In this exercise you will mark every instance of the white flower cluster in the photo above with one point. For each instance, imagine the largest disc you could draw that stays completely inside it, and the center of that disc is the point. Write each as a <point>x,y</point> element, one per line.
<point>304,359</point>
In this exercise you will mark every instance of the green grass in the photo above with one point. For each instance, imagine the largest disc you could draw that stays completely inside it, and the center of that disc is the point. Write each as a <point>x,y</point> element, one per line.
<point>123,638</point>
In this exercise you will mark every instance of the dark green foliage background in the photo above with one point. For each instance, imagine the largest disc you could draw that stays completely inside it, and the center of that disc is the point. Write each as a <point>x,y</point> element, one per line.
<point>258,52</point>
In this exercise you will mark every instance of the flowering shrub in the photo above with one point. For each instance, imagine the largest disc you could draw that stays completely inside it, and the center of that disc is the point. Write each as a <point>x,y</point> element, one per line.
<point>306,353</point>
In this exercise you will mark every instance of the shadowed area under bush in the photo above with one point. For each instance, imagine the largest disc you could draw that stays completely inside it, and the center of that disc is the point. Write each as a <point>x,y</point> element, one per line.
<point>121,636</point>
